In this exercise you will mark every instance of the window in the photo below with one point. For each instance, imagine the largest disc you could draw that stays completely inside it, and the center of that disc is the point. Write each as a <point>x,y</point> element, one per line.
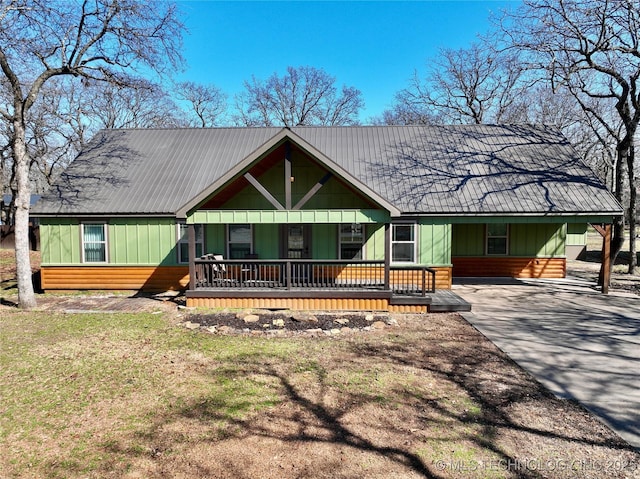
<point>497,239</point>
<point>351,241</point>
<point>403,243</point>
<point>183,242</point>
<point>239,241</point>
<point>94,243</point>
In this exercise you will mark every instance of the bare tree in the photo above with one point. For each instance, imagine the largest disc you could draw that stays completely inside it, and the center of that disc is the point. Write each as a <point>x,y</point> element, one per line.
<point>100,40</point>
<point>137,104</point>
<point>207,102</point>
<point>472,85</point>
<point>303,96</point>
<point>591,48</point>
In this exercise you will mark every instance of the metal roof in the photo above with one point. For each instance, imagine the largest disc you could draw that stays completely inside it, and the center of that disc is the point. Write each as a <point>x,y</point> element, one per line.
<point>430,170</point>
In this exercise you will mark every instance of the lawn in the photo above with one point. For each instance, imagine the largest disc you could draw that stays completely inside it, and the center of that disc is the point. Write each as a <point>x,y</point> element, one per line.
<point>135,395</point>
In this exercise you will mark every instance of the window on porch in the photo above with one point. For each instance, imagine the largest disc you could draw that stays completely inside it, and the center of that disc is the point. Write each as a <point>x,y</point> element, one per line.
<point>497,239</point>
<point>239,241</point>
<point>403,243</point>
<point>351,241</point>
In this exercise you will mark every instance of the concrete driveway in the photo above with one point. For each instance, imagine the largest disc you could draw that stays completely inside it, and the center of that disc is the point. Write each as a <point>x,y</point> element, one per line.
<point>579,343</point>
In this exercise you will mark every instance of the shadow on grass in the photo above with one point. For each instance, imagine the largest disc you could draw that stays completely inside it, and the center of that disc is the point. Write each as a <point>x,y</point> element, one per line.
<point>465,397</point>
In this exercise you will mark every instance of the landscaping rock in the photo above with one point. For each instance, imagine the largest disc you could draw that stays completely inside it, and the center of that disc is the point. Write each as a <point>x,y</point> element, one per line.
<point>251,318</point>
<point>304,318</point>
<point>341,321</point>
<point>369,317</point>
<point>190,325</point>
<point>379,325</point>
<point>278,322</point>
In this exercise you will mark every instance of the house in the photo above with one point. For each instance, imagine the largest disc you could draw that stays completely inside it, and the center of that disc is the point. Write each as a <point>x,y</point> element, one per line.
<point>373,217</point>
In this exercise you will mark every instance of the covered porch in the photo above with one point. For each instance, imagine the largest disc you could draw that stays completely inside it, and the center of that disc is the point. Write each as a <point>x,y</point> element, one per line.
<point>286,275</point>
<point>318,284</point>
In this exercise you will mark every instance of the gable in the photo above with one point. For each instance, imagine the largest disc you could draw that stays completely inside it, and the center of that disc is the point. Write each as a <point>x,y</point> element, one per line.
<point>305,175</point>
<point>291,152</point>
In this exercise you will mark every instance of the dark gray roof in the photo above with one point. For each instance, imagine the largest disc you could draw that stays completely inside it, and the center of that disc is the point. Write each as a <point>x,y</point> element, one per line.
<point>433,170</point>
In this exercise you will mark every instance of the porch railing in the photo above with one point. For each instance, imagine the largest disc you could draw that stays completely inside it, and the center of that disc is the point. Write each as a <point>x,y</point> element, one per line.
<point>312,274</point>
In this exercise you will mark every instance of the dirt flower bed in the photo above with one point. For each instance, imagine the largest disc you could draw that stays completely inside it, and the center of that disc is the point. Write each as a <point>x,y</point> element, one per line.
<point>288,322</point>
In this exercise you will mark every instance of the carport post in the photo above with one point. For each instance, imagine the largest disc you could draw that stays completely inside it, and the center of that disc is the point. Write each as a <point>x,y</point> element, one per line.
<point>605,232</point>
<point>606,259</point>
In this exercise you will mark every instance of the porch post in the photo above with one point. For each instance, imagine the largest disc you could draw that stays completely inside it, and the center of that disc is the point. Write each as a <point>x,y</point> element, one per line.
<point>387,255</point>
<point>191,232</point>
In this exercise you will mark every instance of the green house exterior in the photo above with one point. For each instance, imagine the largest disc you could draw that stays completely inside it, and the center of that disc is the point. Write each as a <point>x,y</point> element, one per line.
<point>369,206</point>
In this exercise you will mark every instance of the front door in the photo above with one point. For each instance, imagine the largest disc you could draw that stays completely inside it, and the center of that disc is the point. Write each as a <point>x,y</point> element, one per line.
<point>297,239</point>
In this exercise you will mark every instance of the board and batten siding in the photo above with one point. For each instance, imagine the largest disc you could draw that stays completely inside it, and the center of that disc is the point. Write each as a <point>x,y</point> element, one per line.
<point>60,241</point>
<point>131,241</point>
<point>525,240</point>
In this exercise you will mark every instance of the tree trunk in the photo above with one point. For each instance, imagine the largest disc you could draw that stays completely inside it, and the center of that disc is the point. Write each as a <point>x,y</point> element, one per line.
<point>617,238</point>
<point>633,197</point>
<point>26,295</point>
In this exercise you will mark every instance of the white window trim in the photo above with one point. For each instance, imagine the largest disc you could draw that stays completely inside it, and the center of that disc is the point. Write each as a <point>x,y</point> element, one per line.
<point>363,243</point>
<point>415,243</point>
<point>487,237</point>
<point>228,238</point>
<point>106,241</point>
<point>181,241</point>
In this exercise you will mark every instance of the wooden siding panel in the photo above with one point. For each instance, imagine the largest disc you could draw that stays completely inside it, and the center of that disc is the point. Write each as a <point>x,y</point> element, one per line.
<point>509,267</point>
<point>434,245</point>
<point>374,243</point>
<point>60,241</point>
<point>142,241</point>
<point>537,239</point>
<point>215,239</point>
<point>324,241</point>
<point>577,234</point>
<point>467,239</point>
<point>146,278</point>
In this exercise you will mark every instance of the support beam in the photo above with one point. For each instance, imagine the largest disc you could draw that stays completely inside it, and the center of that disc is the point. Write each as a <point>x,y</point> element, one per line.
<point>263,191</point>
<point>312,191</point>
<point>287,176</point>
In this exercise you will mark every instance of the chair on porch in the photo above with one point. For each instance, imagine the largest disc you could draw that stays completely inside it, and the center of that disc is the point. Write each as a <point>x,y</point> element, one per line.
<point>214,272</point>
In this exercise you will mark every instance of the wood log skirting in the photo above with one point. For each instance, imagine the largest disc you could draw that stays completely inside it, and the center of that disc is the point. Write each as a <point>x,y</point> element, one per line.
<point>509,267</point>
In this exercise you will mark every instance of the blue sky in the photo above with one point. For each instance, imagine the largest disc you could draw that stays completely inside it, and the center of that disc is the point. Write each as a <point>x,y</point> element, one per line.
<point>374,46</point>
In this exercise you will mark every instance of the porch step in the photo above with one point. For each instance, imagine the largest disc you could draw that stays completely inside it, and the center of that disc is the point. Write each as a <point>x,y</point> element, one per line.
<point>445,301</point>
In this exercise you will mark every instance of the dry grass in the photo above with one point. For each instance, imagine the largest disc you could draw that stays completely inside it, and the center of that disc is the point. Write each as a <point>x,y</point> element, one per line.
<point>135,396</point>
